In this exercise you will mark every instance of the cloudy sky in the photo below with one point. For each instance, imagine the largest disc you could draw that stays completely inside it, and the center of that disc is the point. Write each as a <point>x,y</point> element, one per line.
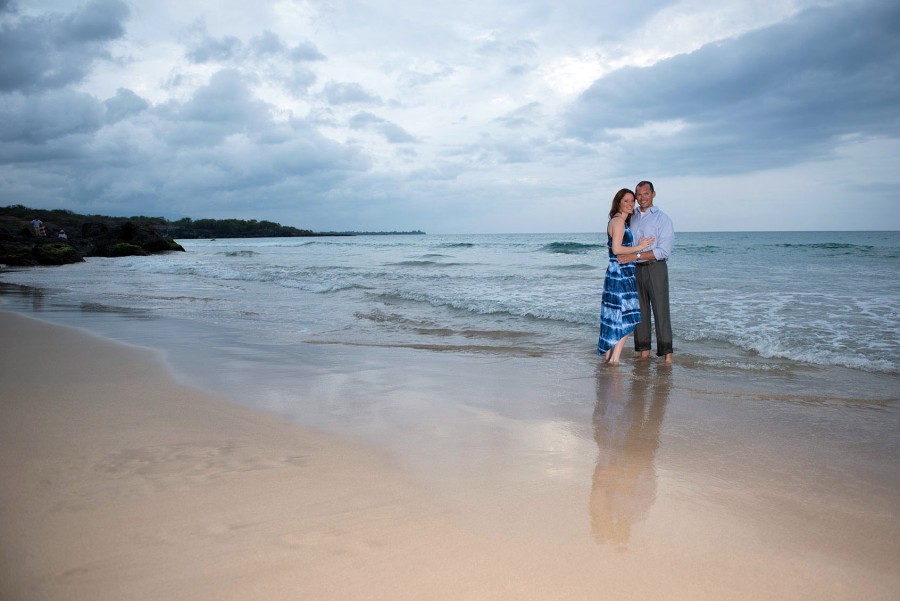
<point>455,116</point>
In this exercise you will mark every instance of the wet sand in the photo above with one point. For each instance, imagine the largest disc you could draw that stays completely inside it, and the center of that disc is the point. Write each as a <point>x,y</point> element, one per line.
<point>118,481</point>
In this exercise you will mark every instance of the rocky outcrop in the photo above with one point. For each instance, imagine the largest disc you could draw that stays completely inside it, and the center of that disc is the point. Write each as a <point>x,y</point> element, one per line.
<point>21,246</point>
<point>101,240</point>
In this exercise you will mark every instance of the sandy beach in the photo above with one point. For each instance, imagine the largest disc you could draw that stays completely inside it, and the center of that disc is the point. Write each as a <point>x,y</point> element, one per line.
<point>117,481</point>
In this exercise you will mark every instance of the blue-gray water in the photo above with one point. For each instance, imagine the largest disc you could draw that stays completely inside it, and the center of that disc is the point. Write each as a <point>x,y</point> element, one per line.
<point>787,306</point>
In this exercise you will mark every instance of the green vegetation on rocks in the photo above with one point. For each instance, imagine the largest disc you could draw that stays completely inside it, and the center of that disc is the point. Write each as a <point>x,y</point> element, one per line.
<point>69,237</point>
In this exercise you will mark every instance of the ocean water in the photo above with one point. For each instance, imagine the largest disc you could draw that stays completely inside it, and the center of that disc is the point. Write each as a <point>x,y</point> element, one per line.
<point>771,304</point>
<point>821,298</point>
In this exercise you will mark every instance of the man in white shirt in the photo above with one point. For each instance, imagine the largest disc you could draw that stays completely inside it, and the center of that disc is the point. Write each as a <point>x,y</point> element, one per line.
<point>652,273</point>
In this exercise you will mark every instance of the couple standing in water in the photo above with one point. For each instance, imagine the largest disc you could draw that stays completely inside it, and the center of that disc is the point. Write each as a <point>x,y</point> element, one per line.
<point>637,277</point>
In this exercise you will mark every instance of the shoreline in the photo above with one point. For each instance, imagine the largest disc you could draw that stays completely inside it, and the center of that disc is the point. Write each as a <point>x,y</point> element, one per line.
<point>512,483</point>
<point>118,482</point>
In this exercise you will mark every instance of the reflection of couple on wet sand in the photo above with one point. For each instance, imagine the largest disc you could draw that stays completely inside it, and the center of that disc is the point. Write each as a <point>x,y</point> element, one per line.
<point>628,417</point>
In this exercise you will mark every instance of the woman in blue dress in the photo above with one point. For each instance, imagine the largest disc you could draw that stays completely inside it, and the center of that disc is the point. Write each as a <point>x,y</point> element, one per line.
<point>620,310</point>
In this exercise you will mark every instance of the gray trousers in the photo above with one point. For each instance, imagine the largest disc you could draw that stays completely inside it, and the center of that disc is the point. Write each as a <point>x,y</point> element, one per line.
<point>653,293</point>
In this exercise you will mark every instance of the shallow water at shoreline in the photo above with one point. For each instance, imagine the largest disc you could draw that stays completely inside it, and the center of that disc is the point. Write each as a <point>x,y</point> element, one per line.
<point>704,366</point>
<point>544,406</point>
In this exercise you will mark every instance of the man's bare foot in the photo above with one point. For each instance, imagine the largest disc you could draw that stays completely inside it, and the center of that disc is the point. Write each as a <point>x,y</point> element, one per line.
<point>644,355</point>
<point>668,360</point>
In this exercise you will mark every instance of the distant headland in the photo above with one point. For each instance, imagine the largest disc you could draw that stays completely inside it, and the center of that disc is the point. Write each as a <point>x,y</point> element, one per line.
<point>57,236</point>
<point>410,233</point>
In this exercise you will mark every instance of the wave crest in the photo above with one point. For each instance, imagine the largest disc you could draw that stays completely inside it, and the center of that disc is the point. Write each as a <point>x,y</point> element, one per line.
<point>570,248</point>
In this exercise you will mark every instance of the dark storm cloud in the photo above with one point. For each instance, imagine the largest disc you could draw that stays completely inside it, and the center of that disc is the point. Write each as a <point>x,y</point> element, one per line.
<point>223,107</point>
<point>99,21</point>
<point>123,105</point>
<point>46,117</point>
<point>52,51</point>
<point>225,99</point>
<point>215,153</point>
<point>774,97</point>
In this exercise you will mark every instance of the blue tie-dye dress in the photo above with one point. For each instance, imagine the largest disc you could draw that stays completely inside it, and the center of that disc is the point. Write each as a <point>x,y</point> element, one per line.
<point>620,309</point>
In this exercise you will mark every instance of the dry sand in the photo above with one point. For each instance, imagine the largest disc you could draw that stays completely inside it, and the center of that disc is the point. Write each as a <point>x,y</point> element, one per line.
<point>118,483</point>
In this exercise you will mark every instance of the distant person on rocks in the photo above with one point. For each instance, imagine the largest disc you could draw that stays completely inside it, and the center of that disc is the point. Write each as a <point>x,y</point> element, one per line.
<point>38,227</point>
<point>652,273</point>
<point>620,309</point>
<point>62,235</point>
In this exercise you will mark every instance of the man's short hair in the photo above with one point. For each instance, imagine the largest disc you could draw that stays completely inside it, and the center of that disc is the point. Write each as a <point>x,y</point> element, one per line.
<point>645,183</point>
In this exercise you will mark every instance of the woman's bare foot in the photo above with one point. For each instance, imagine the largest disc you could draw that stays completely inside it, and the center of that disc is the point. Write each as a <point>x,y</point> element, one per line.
<point>617,351</point>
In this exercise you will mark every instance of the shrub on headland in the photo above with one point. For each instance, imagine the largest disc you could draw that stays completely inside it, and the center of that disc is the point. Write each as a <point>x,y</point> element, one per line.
<point>54,253</point>
<point>126,249</point>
